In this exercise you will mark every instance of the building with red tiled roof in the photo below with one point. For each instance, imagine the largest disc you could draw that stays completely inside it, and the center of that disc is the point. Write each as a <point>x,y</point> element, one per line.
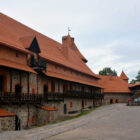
<point>135,88</point>
<point>116,88</point>
<point>35,69</point>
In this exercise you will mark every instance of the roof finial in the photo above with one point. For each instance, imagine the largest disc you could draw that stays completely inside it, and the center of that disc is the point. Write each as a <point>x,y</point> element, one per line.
<point>69,31</point>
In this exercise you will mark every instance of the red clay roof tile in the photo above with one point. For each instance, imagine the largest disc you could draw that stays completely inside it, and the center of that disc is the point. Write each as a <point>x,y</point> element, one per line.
<point>114,84</point>
<point>48,108</point>
<point>134,85</point>
<point>15,65</point>
<point>14,33</point>
<point>5,113</point>
<point>123,76</point>
<point>61,76</point>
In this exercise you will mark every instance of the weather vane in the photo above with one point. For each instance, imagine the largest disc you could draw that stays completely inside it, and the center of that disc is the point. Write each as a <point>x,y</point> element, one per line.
<point>69,31</point>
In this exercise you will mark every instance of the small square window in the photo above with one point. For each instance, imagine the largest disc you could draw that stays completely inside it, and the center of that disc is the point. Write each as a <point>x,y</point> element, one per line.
<point>71,104</point>
<point>16,54</point>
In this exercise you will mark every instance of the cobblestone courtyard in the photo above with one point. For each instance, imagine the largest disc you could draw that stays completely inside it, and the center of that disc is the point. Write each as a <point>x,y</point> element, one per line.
<point>112,122</point>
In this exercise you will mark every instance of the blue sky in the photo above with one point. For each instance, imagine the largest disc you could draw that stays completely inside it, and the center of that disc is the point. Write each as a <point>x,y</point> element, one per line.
<point>107,32</point>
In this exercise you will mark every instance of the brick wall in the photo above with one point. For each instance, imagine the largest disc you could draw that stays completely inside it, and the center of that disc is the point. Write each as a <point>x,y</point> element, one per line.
<point>122,98</point>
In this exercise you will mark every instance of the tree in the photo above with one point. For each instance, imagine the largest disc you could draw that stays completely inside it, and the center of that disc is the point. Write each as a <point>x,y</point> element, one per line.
<point>133,81</point>
<point>106,71</point>
<point>137,79</point>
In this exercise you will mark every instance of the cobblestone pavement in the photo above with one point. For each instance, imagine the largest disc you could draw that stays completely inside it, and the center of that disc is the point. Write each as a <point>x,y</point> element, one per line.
<point>112,122</point>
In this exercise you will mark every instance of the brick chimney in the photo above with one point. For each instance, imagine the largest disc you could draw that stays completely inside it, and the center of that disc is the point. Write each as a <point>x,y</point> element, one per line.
<point>67,42</point>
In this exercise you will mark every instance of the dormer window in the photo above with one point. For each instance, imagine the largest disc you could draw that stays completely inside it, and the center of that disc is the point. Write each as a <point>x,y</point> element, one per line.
<point>72,46</point>
<point>34,47</point>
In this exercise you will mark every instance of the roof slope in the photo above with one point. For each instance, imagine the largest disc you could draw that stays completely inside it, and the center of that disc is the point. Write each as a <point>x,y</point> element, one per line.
<point>18,35</point>
<point>114,84</point>
<point>134,85</point>
<point>123,76</point>
<point>5,113</point>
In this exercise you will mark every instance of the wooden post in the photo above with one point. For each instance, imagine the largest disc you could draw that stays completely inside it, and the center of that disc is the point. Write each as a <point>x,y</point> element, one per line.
<point>37,83</point>
<point>11,81</point>
<point>28,83</point>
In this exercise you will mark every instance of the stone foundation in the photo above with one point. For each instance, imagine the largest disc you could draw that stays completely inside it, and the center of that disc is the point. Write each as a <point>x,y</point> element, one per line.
<point>30,115</point>
<point>7,123</point>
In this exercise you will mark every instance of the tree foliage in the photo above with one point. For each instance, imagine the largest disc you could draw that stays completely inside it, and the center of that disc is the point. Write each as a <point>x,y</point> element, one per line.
<point>106,71</point>
<point>137,79</point>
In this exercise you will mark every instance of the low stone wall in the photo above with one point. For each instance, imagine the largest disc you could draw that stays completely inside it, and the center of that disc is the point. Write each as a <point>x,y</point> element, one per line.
<point>30,115</point>
<point>26,114</point>
<point>7,123</point>
<point>45,117</point>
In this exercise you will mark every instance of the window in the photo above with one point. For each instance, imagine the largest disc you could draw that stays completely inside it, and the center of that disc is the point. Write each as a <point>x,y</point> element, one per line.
<point>33,91</point>
<point>72,46</point>
<point>64,87</point>
<point>70,87</point>
<point>16,54</point>
<point>71,104</point>
<point>85,102</point>
<point>17,88</point>
<point>58,86</point>
<point>45,89</point>
<point>53,86</point>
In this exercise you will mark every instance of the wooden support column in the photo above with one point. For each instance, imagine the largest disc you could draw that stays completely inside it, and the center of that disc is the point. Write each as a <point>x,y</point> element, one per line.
<point>11,80</point>
<point>20,79</point>
<point>37,83</point>
<point>28,82</point>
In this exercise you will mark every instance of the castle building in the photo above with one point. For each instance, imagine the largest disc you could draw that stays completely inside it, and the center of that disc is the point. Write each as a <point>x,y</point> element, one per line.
<point>116,88</point>
<point>41,80</point>
<point>135,88</point>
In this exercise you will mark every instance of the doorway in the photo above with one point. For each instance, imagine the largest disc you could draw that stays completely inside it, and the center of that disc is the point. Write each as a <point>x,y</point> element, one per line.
<point>82,104</point>
<point>45,90</point>
<point>111,101</point>
<point>65,109</point>
<point>117,101</point>
<point>17,90</point>
<point>17,123</point>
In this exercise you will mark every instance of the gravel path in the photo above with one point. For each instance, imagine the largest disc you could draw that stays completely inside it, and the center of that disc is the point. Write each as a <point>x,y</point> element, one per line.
<point>108,122</point>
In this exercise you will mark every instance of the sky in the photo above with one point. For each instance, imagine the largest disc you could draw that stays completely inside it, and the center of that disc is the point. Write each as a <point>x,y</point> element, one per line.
<point>107,32</point>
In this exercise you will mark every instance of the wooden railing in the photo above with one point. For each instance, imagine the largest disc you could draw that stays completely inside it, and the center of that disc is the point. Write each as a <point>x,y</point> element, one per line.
<point>80,94</point>
<point>6,97</point>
